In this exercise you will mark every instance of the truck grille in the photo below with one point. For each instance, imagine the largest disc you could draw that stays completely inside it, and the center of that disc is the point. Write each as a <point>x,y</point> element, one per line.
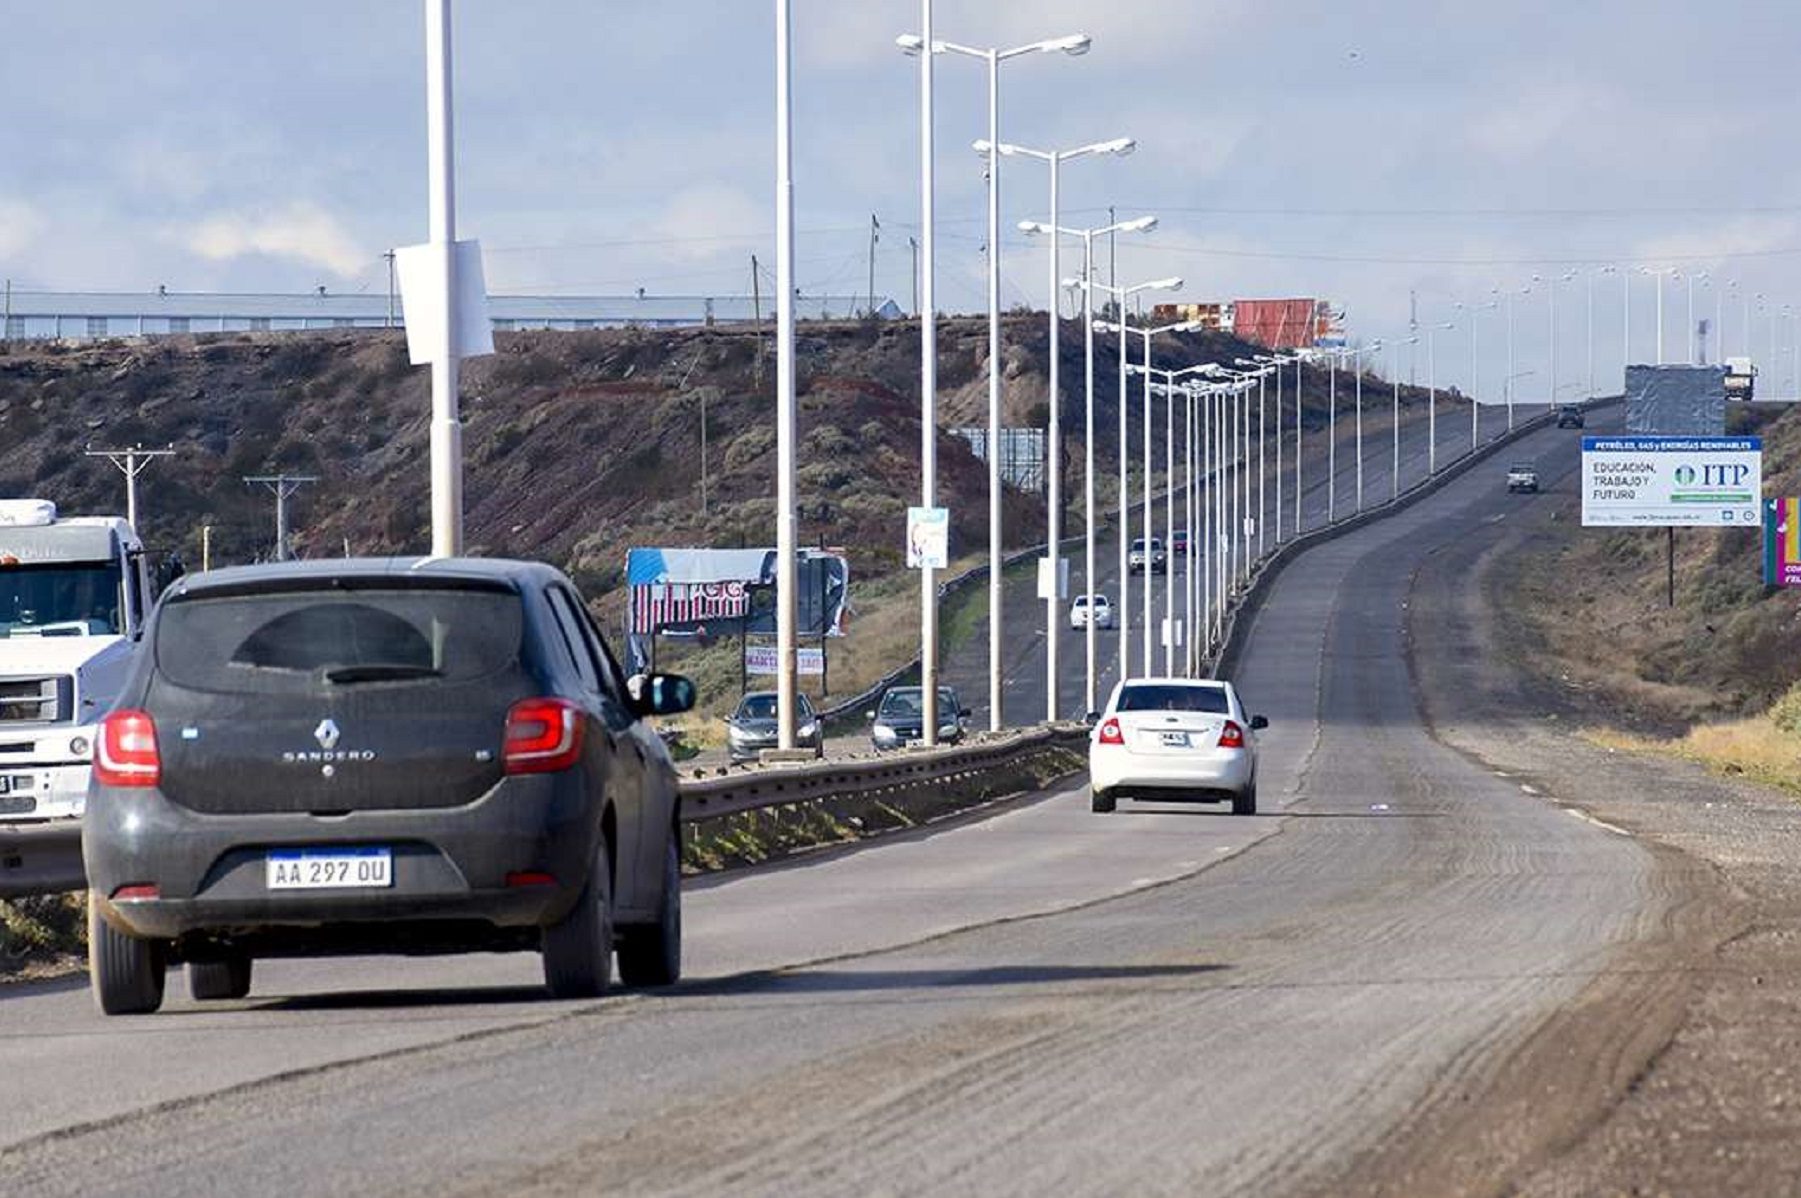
<point>37,700</point>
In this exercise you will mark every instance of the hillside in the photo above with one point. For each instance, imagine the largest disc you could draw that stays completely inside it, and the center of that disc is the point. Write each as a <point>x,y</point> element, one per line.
<point>1596,618</point>
<point>578,445</point>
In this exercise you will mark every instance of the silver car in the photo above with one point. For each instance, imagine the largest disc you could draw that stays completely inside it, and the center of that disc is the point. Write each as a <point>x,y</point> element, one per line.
<point>752,727</point>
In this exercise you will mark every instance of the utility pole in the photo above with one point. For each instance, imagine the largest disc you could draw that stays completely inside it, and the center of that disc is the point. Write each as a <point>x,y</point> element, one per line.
<point>875,235</point>
<point>913,244</point>
<point>1413,330</point>
<point>282,485</point>
<point>131,463</point>
<point>390,257</point>
<point>6,329</point>
<point>1113,259</point>
<point>756,315</point>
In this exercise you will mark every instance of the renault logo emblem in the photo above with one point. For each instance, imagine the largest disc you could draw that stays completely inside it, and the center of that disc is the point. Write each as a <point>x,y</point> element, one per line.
<point>326,734</point>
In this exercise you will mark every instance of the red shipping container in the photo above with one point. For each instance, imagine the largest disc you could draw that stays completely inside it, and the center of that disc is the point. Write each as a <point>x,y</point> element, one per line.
<point>1277,323</point>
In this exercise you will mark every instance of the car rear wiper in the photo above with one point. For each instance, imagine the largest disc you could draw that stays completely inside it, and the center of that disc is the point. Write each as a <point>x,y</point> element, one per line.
<point>380,672</point>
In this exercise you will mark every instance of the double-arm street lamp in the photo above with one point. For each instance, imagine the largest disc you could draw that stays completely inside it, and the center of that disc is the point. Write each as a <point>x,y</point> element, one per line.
<point>1142,224</point>
<point>918,44</point>
<point>1395,431</point>
<point>1054,488</point>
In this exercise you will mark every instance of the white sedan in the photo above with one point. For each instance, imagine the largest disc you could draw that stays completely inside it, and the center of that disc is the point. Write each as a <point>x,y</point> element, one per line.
<point>1084,605</point>
<point>1175,739</point>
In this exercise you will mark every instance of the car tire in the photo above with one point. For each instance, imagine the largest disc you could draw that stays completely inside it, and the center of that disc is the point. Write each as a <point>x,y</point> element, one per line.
<point>1245,801</point>
<point>210,981</point>
<point>578,950</point>
<point>1102,802</point>
<point>125,972</point>
<point>651,954</point>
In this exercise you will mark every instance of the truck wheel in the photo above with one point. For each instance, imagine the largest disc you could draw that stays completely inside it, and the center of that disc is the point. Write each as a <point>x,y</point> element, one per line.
<point>651,954</point>
<point>125,973</point>
<point>1102,802</point>
<point>578,951</point>
<point>209,981</point>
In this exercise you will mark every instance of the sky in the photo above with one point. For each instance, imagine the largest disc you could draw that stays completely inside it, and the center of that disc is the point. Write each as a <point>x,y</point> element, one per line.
<point>1375,154</point>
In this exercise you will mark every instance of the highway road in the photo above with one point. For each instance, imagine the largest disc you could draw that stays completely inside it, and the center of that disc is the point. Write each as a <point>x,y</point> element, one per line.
<point>1023,666</point>
<point>1161,1001</point>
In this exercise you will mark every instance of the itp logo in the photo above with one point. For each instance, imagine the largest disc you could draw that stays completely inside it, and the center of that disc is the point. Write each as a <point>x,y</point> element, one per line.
<point>1685,475</point>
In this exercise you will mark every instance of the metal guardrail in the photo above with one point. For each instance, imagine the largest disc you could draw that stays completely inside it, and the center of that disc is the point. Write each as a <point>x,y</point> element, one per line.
<point>780,786</point>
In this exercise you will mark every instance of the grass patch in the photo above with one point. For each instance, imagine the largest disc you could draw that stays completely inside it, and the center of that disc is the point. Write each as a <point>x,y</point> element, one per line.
<point>1755,748</point>
<point>40,936</point>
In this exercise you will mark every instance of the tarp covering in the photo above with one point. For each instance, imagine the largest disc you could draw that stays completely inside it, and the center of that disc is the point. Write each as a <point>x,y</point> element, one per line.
<point>1676,401</point>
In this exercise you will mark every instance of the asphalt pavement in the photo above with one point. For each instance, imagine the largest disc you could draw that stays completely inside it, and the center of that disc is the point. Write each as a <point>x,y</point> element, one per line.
<point>1165,1000</point>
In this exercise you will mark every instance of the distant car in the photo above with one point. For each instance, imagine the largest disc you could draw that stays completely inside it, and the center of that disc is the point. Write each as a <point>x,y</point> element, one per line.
<point>753,727</point>
<point>405,755</point>
<point>1179,739</point>
<point>1569,416</point>
<point>1138,555</point>
<point>900,719</point>
<point>1097,604</point>
<point>1522,476</point>
<point>1178,544</point>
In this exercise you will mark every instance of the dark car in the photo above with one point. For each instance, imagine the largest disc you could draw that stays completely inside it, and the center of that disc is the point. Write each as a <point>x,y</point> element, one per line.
<point>900,719</point>
<point>1569,416</point>
<point>752,727</point>
<point>380,756</point>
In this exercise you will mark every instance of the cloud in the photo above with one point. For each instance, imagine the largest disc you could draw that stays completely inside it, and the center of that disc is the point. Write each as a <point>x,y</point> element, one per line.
<point>300,231</point>
<point>20,226</point>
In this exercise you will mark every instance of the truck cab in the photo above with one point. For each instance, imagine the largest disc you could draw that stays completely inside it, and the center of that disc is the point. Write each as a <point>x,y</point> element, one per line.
<point>1741,379</point>
<point>74,592</point>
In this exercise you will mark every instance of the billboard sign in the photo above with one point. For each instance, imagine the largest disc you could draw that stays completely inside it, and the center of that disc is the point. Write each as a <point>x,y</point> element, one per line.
<point>763,659</point>
<point>1782,542</point>
<point>928,538</point>
<point>1672,482</point>
<point>717,592</point>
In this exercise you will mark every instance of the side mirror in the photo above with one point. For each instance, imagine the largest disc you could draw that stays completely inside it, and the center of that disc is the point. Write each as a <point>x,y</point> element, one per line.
<point>1092,718</point>
<point>963,712</point>
<point>1259,723</point>
<point>660,694</point>
<point>869,717</point>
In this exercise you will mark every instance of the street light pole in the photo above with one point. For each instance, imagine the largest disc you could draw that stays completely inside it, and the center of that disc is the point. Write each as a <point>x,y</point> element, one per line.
<point>993,57</point>
<point>928,375</point>
<point>446,426</point>
<point>1054,521</point>
<point>786,533</point>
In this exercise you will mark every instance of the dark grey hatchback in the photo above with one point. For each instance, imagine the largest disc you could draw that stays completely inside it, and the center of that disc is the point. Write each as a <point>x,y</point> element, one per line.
<point>380,756</point>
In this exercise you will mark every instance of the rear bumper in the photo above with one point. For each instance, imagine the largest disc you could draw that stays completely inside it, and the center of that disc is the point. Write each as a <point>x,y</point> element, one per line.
<point>448,863</point>
<point>1116,769</point>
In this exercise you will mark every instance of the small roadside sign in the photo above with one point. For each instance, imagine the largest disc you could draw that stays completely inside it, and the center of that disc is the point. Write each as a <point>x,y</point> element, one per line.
<point>928,538</point>
<point>1782,542</point>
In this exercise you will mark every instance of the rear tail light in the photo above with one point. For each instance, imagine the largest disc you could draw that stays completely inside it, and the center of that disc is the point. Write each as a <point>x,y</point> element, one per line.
<point>1110,733</point>
<point>125,751</point>
<point>1231,736</point>
<point>542,736</point>
<point>519,879</point>
<point>137,892</point>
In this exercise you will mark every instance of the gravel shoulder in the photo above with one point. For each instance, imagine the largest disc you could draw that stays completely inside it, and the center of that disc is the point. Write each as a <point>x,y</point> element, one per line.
<point>1673,1072</point>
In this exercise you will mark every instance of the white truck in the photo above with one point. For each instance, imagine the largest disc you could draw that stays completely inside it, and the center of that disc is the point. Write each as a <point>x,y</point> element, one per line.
<point>73,595</point>
<point>1741,379</point>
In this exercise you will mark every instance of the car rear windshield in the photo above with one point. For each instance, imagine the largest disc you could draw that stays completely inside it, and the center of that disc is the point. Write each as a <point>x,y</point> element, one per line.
<point>1152,697</point>
<point>293,642</point>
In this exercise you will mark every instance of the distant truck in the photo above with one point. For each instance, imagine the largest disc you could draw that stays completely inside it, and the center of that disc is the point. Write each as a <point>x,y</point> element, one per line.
<point>1741,379</point>
<point>74,592</point>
